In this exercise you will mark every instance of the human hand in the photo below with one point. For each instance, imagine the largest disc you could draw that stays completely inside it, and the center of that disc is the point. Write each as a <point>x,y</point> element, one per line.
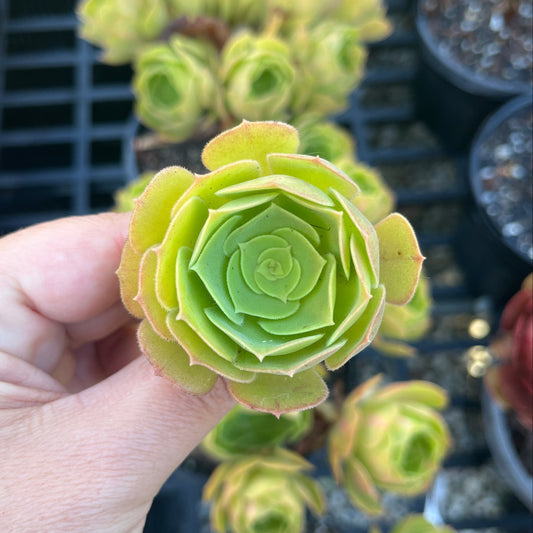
<point>88,432</point>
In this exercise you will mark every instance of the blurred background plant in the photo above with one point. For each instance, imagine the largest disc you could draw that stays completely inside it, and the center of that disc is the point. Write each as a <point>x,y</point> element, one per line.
<point>203,66</point>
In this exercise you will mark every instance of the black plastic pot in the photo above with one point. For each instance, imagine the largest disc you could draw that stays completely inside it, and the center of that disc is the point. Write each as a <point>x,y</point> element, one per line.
<point>492,265</point>
<point>146,152</point>
<point>451,98</point>
<point>504,453</point>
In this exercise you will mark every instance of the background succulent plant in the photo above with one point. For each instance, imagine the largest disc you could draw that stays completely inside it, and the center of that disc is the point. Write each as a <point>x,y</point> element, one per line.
<point>390,438</point>
<point>244,431</point>
<point>263,494</point>
<point>512,380</point>
<point>122,27</point>
<point>174,87</point>
<point>267,59</point>
<point>125,197</point>
<point>260,270</point>
<point>403,324</point>
<point>258,77</point>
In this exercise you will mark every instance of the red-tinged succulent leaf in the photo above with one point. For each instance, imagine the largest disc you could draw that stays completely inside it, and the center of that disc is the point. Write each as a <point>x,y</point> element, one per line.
<point>172,362</point>
<point>250,140</point>
<point>360,488</point>
<point>151,216</point>
<point>363,331</point>
<point>400,258</point>
<point>155,314</point>
<point>281,394</point>
<point>186,224</point>
<point>128,275</point>
<point>420,392</point>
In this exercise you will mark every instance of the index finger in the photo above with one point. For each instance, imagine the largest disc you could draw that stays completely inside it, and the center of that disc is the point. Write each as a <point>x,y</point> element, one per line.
<point>65,269</point>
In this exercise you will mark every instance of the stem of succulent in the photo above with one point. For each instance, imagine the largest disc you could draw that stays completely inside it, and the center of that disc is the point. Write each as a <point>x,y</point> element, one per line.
<point>274,23</point>
<point>209,28</point>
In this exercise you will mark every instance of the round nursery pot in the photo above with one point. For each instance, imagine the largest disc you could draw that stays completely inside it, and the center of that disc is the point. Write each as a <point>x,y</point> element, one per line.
<point>473,57</point>
<point>500,441</point>
<point>494,242</point>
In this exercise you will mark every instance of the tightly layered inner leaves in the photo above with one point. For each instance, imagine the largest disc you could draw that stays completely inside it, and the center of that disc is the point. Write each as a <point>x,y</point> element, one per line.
<point>260,270</point>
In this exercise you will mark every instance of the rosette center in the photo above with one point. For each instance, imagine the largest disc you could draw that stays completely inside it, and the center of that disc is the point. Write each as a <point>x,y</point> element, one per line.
<point>268,266</point>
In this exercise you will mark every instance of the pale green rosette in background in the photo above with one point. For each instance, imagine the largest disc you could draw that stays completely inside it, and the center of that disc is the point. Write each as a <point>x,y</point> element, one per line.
<point>263,494</point>
<point>260,270</point>
<point>377,199</point>
<point>389,438</point>
<point>258,77</point>
<point>174,87</point>
<point>122,27</point>
<point>243,431</point>
<point>406,323</point>
<point>125,197</point>
<point>325,139</point>
<point>331,60</point>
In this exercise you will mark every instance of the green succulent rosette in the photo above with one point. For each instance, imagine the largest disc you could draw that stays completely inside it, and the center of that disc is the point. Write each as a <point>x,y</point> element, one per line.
<point>243,431</point>
<point>126,196</point>
<point>376,200</point>
<point>232,12</point>
<point>331,60</point>
<point>260,270</point>
<point>367,16</point>
<point>325,139</point>
<point>263,494</point>
<point>258,77</point>
<point>121,27</point>
<point>174,87</point>
<point>388,438</point>
<point>407,323</point>
<point>418,524</point>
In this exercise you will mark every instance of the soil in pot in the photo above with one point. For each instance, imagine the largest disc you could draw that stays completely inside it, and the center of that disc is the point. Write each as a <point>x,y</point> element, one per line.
<point>476,54</point>
<point>494,244</point>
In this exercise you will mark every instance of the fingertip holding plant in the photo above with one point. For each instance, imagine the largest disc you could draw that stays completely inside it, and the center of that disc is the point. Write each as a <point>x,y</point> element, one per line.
<point>260,270</point>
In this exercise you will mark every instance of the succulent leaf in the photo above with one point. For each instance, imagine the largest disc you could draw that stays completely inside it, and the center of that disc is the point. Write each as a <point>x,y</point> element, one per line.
<point>399,257</point>
<point>243,431</point>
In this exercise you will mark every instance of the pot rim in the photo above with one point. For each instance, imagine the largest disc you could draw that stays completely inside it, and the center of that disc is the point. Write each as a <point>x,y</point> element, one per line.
<point>488,127</point>
<point>503,450</point>
<point>462,77</point>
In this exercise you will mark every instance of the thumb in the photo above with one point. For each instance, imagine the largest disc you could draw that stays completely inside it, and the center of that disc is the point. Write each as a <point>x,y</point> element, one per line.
<point>102,455</point>
<point>147,425</point>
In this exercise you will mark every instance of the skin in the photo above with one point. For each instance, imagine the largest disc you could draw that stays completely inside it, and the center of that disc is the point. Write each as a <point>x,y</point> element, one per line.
<point>88,432</point>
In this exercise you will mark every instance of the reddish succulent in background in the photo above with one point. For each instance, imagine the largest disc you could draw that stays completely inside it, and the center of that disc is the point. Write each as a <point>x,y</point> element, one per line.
<point>512,380</point>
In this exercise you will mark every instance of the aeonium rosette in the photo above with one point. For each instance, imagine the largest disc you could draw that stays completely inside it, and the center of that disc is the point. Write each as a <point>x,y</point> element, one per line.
<point>260,270</point>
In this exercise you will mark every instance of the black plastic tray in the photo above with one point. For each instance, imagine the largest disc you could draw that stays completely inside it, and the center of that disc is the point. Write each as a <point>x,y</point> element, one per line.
<point>65,126</point>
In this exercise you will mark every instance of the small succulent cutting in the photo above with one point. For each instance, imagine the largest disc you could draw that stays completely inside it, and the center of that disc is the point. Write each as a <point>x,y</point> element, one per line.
<point>388,438</point>
<point>260,270</point>
<point>243,431</point>
<point>263,494</point>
